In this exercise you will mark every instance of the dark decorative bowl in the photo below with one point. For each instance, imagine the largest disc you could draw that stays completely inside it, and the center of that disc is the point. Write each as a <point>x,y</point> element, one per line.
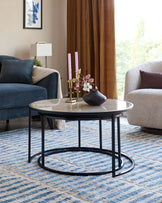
<point>94,98</point>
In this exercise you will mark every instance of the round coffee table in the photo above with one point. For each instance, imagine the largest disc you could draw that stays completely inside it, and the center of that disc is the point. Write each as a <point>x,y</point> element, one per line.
<point>59,109</point>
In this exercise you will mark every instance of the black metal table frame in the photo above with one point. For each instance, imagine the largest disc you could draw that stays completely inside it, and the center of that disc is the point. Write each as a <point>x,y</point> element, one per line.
<point>115,155</point>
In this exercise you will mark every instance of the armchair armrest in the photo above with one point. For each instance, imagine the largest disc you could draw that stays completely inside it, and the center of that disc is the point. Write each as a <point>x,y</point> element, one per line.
<point>132,80</point>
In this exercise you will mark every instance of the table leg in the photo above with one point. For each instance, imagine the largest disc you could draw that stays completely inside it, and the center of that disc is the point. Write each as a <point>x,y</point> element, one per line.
<point>42,141</point>
<point>79,134</point>
<point>100,132</point>
<point>113,145</point>
<point>29,137</point>
<point>50,123</point>
<point>119,144</point>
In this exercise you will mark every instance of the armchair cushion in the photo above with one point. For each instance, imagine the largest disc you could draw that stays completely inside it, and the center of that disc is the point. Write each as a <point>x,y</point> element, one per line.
<point>16,71</point>
<point>151,80</point>
<point>147,111</point>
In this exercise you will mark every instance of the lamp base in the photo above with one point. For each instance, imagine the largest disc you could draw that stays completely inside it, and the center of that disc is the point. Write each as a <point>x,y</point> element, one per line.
<point>46,61</point>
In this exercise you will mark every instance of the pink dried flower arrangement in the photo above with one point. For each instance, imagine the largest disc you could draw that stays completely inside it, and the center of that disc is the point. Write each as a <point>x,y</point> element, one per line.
<point>87,82</point>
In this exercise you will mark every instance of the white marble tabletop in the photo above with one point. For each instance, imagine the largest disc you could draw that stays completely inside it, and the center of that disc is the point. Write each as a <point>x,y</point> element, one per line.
<point>60,105</point>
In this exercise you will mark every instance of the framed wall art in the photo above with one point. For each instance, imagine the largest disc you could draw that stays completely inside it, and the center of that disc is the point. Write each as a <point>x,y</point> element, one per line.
<point>32,14</point>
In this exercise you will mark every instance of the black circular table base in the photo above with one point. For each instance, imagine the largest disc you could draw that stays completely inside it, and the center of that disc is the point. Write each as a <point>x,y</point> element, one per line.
<point>86,149</point>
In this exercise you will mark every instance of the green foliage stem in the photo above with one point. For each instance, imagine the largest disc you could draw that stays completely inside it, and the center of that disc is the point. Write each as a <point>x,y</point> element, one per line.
<point>37,62</point>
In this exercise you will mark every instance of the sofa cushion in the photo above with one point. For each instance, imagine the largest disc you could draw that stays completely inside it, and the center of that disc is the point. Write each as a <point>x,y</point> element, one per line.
<point>16,71</point>
<point>151,80</point>
<point>20,95</point>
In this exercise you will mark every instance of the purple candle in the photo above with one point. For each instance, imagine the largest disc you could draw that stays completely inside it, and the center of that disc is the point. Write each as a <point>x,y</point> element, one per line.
<point>69,66</point>
<point>76,61</point>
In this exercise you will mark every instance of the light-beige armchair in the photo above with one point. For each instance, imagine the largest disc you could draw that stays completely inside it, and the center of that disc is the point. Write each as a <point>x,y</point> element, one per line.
<point>147,111</point>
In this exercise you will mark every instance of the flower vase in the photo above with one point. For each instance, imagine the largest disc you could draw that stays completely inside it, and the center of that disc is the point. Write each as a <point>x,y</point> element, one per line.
<point>94,98</point>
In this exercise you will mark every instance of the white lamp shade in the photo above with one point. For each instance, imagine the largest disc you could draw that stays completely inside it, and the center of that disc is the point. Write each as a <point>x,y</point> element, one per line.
<point>42,49</point>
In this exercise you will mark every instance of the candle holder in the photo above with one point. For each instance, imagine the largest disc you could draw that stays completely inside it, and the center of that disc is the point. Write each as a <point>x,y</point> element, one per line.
<point>78,98</point>
<point>78,84</point>
<point>70,100</point>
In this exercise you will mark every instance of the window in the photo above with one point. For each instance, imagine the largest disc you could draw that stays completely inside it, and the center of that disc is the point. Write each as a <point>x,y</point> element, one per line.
<point>138,35</point>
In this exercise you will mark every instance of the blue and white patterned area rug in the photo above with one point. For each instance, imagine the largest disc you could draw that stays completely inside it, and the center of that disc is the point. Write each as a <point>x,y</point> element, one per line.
<point>27,182</point>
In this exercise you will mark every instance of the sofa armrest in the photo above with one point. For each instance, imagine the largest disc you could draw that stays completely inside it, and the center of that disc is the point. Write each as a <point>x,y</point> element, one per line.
<point>50,82</point>
<point>48,78</point>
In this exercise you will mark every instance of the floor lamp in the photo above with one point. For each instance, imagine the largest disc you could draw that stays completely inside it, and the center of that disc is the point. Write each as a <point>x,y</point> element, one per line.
<point>42,49</point>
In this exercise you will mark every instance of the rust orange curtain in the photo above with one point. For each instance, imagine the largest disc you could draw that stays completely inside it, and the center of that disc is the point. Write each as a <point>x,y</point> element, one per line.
<point>90,31</point>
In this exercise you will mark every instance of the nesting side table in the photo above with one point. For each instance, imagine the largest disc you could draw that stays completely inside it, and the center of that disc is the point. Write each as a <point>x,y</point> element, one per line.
<point>59,109</point>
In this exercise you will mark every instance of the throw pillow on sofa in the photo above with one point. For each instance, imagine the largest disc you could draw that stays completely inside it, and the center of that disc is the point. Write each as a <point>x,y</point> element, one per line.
<point>151,80</point>
<point>17,71</point>
<point>5,57</point>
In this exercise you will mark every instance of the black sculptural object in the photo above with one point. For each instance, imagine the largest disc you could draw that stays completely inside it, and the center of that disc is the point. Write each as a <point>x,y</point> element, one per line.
<point>94,98</point>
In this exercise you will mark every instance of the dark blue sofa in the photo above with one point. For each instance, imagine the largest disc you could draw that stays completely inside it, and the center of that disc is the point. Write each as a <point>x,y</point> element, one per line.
<point>15,97</point>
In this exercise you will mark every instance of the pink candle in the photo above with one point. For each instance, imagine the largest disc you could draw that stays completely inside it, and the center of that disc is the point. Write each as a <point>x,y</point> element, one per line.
<point>69,66</point>
<point>76,61</point>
